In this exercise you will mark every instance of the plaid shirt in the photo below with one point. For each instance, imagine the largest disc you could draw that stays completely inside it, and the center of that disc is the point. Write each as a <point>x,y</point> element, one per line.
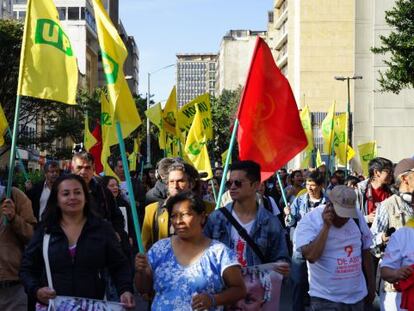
<point>266,232</point>
<point>381,220</point>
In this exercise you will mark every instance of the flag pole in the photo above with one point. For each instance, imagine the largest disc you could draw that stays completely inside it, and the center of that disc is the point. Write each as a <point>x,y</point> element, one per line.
<point>226,165</point>
<point>130,190</point>
<point>214,189</point>
<point>12,152</point>
<point>26,177</point>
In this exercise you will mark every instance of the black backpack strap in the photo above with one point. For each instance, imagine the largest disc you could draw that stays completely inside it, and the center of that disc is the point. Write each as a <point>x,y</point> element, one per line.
<point>243,233</point>
<point>266,204</point>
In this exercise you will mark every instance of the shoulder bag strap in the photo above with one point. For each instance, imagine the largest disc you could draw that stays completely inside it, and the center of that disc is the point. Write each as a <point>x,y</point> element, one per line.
<point>46,239</point>
<point>243,233</point>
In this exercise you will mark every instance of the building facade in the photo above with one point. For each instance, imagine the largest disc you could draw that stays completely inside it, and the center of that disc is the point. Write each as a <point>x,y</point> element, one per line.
<point>6,9</point>
<point>196,75</point>
<point>236,50</point>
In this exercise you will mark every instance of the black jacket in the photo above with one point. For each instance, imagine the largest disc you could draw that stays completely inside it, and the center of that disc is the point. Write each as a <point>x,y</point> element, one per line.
<point>97,248</point>
<point>158,193</point>
<point>34,195</point>
<point>103,204</point>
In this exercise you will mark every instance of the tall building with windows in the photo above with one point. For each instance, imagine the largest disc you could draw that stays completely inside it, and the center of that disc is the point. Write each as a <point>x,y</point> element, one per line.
<point>314,41</point>
<point>196,75</point>
<point>236,50</point>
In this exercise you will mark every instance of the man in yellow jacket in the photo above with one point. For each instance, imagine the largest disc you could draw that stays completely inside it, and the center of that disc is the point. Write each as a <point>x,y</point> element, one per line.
<point>156,226</point>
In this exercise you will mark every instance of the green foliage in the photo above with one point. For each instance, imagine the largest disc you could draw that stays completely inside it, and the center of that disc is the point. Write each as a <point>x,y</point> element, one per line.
<point>223,109</point>
<point>399,44</point>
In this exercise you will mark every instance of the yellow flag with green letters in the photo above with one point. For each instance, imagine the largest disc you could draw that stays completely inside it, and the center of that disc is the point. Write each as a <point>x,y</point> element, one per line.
<point>327,127</point>
<point>344,153</point>
<point>196,147</point>
<point>4,125</point>
<point>318,158</point>
<point>48,67</point>
<point>367,152</point>
<point>188,111</point>
<point>114,54</point>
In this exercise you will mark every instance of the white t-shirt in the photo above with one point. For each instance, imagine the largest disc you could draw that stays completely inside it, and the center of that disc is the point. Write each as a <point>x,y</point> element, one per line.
<point>238,242</point>
<point>400,249</point>
<point>43,200</point>
<point>337,275</point>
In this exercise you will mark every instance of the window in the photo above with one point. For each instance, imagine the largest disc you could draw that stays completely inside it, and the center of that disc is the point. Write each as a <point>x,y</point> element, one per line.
<point>22,15</point>
<point>73,13</point>
<point>62,13</point>
<point>82,12</point>
<point>212,66</point>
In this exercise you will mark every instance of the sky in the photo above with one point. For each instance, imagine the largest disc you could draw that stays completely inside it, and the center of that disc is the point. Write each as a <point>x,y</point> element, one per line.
<point>163,28</point>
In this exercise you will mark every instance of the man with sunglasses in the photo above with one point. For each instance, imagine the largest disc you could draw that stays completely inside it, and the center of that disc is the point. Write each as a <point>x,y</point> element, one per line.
<point>264,242</point>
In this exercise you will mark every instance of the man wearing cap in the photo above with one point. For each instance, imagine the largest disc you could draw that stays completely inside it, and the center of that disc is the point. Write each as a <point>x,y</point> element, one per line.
<point>335,240</point>
<point>392,214</point>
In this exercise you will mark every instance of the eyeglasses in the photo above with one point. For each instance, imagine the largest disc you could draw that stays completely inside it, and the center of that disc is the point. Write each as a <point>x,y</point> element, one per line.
<point>181,216</point>
<point>237,183</point>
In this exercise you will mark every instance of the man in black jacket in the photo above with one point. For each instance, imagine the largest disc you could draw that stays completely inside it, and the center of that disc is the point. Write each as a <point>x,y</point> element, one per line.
<point>102,201</point>
<point>39,193</point>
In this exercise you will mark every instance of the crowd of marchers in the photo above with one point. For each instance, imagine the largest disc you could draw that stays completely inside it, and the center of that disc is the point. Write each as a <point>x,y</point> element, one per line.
<point>339,240</point>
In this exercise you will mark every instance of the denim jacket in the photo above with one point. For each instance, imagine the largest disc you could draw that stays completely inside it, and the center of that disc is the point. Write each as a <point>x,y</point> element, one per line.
<point>299,208</point>
<point>266,232</point>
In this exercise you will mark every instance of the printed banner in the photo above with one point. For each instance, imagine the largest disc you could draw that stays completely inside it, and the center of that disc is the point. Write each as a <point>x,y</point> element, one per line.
<point>263,286</point>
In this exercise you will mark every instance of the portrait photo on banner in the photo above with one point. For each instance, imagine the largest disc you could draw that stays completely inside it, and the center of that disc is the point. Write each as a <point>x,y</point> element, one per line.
<point>263,286</point>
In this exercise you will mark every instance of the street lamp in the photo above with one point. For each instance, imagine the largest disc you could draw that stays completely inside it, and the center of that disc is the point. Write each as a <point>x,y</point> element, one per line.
<point>148,106</point>
<point>350,123</point>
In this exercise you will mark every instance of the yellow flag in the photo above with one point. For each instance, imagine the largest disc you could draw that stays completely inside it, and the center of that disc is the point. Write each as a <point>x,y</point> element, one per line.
<point>318,158</point>
<point>134,155</point>
<point>114,54</point>
<point>305,118</point>
<point>188,111</point>
<point>154,114</point>
<point>169,114</point>
<point>48,67</point>
<point>327,130</point>
<point>109,136</point>
<point>88,139</point>
<point>224,157</point>
<point>367,152</point>
<point>343,152</point>
<point>107,170</point>
<point>196,147</point>
<point>307,157</point>
<point>4,125</point>
<point>168,146</point>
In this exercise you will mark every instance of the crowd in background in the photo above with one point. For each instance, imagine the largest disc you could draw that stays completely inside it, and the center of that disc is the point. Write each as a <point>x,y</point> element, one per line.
<point>340,240</point>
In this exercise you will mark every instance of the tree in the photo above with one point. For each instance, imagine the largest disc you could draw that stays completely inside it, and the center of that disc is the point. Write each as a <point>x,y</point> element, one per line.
<point>399,44</point>
<point>223,110</point>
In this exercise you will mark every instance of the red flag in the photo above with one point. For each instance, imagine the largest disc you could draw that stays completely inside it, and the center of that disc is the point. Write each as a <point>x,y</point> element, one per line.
<point>96,150</point>
<point>270,132</point>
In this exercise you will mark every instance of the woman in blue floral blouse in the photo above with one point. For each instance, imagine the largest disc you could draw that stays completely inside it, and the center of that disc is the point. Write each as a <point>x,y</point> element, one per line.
<point>189,271</point>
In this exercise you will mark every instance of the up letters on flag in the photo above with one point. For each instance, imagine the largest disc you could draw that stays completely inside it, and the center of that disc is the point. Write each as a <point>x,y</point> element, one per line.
<point>270,131</point>
<point>48,67</point>
<point>169,114</point>
<point>114,54</point>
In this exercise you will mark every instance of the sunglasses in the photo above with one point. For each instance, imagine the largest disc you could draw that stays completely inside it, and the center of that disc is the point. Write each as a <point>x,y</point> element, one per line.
<point>237,183</point>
